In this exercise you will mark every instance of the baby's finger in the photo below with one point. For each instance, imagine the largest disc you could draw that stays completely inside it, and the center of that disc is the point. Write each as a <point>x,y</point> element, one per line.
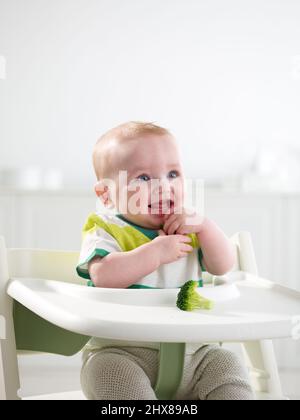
<point>183,254</point>
<point>161,233</point>
<point>173,227</point>
<point>169,221</point>
<point>186,248</point>
<point>166,216</point>
<point>184,229</point>
<point>184,238</point>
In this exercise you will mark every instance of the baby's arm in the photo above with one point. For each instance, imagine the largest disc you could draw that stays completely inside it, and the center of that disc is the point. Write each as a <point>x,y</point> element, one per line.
<point>218,255</point>
<point>122,269</point>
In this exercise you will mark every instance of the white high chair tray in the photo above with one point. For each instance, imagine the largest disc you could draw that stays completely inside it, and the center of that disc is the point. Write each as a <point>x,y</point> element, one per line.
<point>246,308</point>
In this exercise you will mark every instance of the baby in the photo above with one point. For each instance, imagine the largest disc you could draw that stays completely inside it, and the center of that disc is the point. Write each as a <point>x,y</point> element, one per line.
<point>151,241</point>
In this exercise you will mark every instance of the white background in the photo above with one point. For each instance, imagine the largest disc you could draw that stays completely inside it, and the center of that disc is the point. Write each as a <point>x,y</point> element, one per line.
<point>224,76</point>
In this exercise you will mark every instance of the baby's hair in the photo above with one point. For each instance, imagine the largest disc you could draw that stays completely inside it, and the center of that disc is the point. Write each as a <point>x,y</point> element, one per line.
<point>125,131</point>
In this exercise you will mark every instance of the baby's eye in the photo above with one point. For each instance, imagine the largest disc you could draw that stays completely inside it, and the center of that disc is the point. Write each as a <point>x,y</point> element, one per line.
<point>173,174</point>
<point>143,177</point>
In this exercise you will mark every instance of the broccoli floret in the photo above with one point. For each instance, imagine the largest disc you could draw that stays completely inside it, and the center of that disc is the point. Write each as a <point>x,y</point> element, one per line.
<point>189,299</point>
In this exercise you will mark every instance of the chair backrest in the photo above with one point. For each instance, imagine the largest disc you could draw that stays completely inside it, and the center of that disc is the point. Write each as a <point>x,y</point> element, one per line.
<point>28,331</point>
<point>34,333</point>
<point>45,264</point>
<point>244,255</point>
<point>244,251</point>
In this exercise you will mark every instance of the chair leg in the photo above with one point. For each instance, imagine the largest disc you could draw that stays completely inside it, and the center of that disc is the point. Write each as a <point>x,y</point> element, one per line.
<point>261,361</point>
<point>171,364</point>
<point>9,372</point>
<point>2,383</point>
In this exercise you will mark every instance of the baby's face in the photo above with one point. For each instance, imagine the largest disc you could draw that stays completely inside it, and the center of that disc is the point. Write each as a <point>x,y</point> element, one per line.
<point>155,180</point>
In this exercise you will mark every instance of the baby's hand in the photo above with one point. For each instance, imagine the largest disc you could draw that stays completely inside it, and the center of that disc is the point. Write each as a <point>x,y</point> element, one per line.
<point>184,223</point>
<point>171,248</point>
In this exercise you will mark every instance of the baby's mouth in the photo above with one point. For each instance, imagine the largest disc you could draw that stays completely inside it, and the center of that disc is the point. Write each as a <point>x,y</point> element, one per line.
<point>161,207</point>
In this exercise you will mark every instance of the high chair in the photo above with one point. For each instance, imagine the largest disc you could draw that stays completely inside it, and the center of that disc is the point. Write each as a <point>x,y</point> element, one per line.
<point>44,307</point>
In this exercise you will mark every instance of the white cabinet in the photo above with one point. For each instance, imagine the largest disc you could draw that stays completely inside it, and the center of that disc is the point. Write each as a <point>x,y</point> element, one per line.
<point>51,221</point>
<point>7,218</point>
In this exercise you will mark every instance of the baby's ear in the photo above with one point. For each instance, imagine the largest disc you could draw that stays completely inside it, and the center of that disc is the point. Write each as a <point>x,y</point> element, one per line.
<point>102,192</point>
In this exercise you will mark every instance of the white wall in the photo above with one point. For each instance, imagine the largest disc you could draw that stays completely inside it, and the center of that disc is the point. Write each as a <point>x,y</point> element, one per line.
<point>223,75</point>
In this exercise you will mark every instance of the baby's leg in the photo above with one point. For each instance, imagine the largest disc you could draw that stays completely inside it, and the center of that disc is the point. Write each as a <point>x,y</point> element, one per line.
<point>222,376</point>
<point>120,373</point>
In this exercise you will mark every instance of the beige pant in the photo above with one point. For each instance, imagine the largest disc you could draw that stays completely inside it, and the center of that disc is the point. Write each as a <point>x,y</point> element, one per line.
<point>130,373</point>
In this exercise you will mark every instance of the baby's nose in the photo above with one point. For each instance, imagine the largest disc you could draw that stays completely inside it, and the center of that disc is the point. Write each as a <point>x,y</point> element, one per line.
<point>163,189</point>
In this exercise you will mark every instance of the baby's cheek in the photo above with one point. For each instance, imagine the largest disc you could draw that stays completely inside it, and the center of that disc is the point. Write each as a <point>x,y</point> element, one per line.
<point>178,204</point>
<point>135,200</point>
<point>178,188</point>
